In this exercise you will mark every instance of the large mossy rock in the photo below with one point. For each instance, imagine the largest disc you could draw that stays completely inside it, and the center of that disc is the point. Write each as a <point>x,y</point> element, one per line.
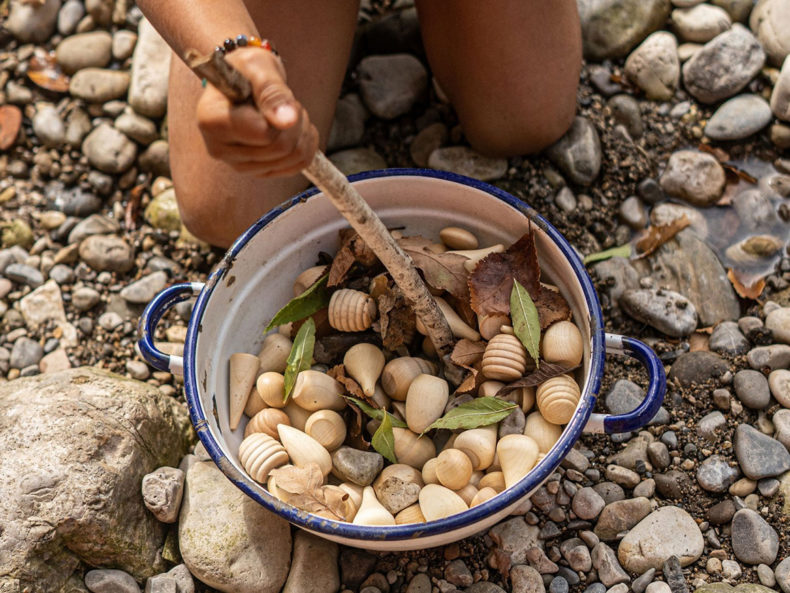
<point>75,447</point>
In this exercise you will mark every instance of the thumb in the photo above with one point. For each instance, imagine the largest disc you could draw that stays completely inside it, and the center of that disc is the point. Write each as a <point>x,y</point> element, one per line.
<point>277,104</point>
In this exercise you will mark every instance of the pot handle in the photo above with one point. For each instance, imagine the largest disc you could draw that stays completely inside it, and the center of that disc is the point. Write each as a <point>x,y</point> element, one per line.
<point>657,386</point>
<point>158,306</point>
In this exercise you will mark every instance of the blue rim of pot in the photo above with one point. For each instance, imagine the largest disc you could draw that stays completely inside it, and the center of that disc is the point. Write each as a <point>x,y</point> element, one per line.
<point>361,533</point>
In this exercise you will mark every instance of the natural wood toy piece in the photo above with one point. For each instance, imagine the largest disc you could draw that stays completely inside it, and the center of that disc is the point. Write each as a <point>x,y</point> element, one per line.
<point>505,358</point>
<point>542,431</point>
<point>494,480</point>
<point>457,238</point>
<point>364,363</point>
<point>458,326</point>
<point>479,444</point>
<point>307,278</point>
<point>274,353</point>
<point>562,343</point>
<point>315,391</point>
<point>259,454</point>
<point>327,427</point>
<point>399,372</point>
<point>412,449</point>
<point>425,401</point>
<point>271,389</point>
<point>557,398</point>
<point>518,454</point>
<point>453,469</point>
<point>411,514</point>
<point>483,495</point>
<point>304,449</point>
<point>438,502</point>
<point>351,310</point>
<point>489,324</point>
<point>475,255</point>
<point>371,511</point>
<point>243,371</point>
<point>266,421</point>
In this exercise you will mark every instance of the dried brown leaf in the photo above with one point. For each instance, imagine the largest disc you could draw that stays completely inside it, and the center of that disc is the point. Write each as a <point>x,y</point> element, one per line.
<point>330,349</point>
<point>492,280</point>
<point>396,324</point>
<point>379,285</point>
<point>720,154</point>
<point>352,249</point>
<point>464,309</point>
<point>546,371</point>
<point>656,235</point>
<point>735,173</point>
<point>45,72</point>
<point>443,271</point>
<point>468,353</point>
<point>323,501</point>
<point>338,373</point>
<point>298,480</point>
<point>746,287</point>
<point>354,417</point>
<point>10,122</point>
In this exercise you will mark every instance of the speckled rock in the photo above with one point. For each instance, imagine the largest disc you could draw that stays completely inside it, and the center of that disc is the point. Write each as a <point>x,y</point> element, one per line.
<point>667,311</point>
<point>654,66</point>
<point>646,545</point>
<point>770,21</point>
<point>610,28</point>
<point>775,356</point>
<point>779,383</point>
<point>359,467</point>
<point>714,474</point>
<point>780,96</point>
<point>700,23</point>
<point>754,541</point>
<point>109,150</point>
<point>778,321</point>
<point>739,118</point>
<point>313,566</point>
<point>578,152</point>
<point>752,389</point>
<point>727,338</point>
<point>697,367</point>
<point>150,70</point>
<point>465,161</point>
<point>693,176</point>
<point>620,516</point>
<point>759,455</point>
<point>107,252</point>
<point>390,85</point>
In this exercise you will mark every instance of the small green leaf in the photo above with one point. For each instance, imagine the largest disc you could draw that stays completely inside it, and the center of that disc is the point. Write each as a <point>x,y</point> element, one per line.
<point>526,321</point>
<point>481,411</point>
<point>619,251</point>
<point>376,413</point>
<point>301,355</point>
<point>383,439</point>
<point>311,300</point>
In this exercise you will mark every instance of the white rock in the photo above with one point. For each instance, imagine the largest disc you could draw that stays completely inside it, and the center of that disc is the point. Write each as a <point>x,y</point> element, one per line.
<point>109,150</point>
<point>693,176</point>
<point>150,70</point>
<point>780,97</point>
<point>85,50</point>
<point>654,66</point>
<point>779,382</point>
<point>770,21</point>
<point>123,43</point>
<point>647,545</point>
<point>700,23</point>
<point>69,16</point>
<point>778,321</point>
<point>48,126</point>
<point>739,118</point>
<point>32,21</point>
<point>99,85</point>
<point>55,361</point>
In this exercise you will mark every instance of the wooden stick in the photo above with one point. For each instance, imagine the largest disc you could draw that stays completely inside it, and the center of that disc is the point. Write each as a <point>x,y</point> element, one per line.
<point>355,210</point>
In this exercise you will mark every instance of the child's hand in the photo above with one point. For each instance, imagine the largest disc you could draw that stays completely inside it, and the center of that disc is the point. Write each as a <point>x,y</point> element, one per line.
<point>270,138</point>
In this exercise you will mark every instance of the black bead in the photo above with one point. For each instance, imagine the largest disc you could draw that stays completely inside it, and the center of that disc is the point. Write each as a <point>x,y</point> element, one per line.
<point>219,50</point>
<point>229,45</point>
<point>241,40</point>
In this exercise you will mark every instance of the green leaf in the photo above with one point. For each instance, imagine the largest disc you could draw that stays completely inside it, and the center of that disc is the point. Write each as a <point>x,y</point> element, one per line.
<point>377,413</point>
<point>311,300</point>
<point>481,411</point>
<point>383,439</point>
<point>619,251</point>
<point>526,321</point>
<point>301,355</point>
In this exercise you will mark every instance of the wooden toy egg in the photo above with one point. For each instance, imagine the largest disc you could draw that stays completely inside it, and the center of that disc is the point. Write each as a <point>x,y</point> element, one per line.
<point>453,469</point>
<point>425,401</point>
<point>347,510</point>
<point>266,421</point>
<point>429,471</point>
<point>483,495</point>
<point>562,343</point>
<point>297,415</point>
<point>327,427</point>
<point>270,388</point>
<point>315,390</point>
<point>467,493</point>
<point>458,326</point>
<point>438,502</point>
<point>243,371</point>
<point>259,454</point>
<point>505,358</point>
<point>475,255</point>
<point>398,374</point>
<point>489,324</point>
<point>518,454</point>
<point>542,431</point>
<point>494,480</point>
<point>411,514</point>
<point>527,398</point>
<point>489,388</point>
<point>371,511</point>
<point>351,310</point>
<point>307,278</point>
<point>412,449</point>
<point>479,445</point>
<point>557,398</point>
<point>304,449</point>
<point>364,363</point>
<point>274,353</point>
<point>457,238</point>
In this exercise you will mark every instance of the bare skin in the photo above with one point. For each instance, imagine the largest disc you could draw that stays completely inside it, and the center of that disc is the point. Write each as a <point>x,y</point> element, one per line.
<point>510,69</point>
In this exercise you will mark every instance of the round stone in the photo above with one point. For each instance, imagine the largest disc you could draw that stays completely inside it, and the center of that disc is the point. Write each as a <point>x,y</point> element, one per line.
<point>654,66</point>
<point>759,455</point>
<point>716,475</point>
<point>84,51</point>
<point>646,545</point>
<point>667,311</point>
<point>359,467</point>
<point>109,150</point>
<point>700,23</point>
<point>587,503</point>
<point>739,118</point>
<point>107,252</point>
<point>752,389</point>
<point>693,176</point>
<point>754,541</point>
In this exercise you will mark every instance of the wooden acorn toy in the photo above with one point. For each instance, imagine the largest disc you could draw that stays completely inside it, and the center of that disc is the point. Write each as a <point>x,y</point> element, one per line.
<point>562,343</point>
<point>457,238</point>
<point>270,387</point>
<point>458,326</point>
<point>438,502</point>
<point>479,445</point>
<point>371,511</point>
<point>557,398</point>
<point>307,278</point>
<point>327,427</point>
<point>518,454</point>
<point>259,454</point>
<point>425,401</point>
<point>266,421</point>
<point>243,371</point>
<point>489,325</point>
<point>453,469</point>
<point>274,353</point>
<point>489,388</point>
<point>494,480</point>
<point>364,362</point>
<point>315,390</point>
<point>304,449</point>
<point>411,514</point>
<point>398,373</point>
<point>351,310</point>
<point>483,495</point>
<point>354,492</point>
<point>543,432</point>
<point>505,358</point>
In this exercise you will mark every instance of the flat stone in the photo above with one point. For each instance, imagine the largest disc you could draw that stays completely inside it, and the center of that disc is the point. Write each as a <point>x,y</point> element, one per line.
<point>426,141</point>
<point>73,201</point>
<point>654,66</point>
<point>697,367</point>
<point>724,66</point>
<point>716,475</point>
<point>759,455</point>
<point>465,161</point>
<point>348,127</point>
<point>779,383</point>
<point>693,176</point>
<point>752,389</point>
<point>782,574</point>
<point>669,312</point>
<point>646,545</point>
<point>626,395</point>
<point>106,253</point>
<point>85,50</point>
<point>135,126</point>
<point>109,150</point>
<point>710,424</point>
<point>359,467</point>
<point>145,289</point>
<point>82,484</point>
<point>658,453</point>
<point>775,356</point>
<point>727,338</point>
<point>85,298</point>
<point>737,9</point>
<point>620,516</point>
<point>228,540</point>
<point>357,160</point>
<point>609,570</point>
<point>770,21</point>
<point>24,274</point>
<point>123,43</point>
<point>32,22</point>
<point>587,503</point>
<point>96,224</point>
<point>700,23</point>
<point>313,566</point>
<point>183,578</point>
<point>739,118</point>
<point>150,71</point>
<point>108,580</point>
<point>754,541</point>
<point>458,573</point>
<point>161,583</point>
<point>25,353</point>
<point>391,84</point>
<point>515,538</point>
<point>526,579</point>
<point>611,28</point>
<point>98,85</point>
<point>162,492</point>
<point>48,126</point>
<point>672,484</point>
<point>578,153</point>
<point>69,16</point>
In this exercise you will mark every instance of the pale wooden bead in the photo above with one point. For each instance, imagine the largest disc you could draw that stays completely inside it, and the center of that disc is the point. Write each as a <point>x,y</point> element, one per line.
<point>489,325</point>
<point>270,388</point>
<point>458,326</point>
<point>304,449</point>
<point>438,502</point>
<point>259,454</point>
<point>494,480</point>
<point>527,398</point>
<point>398,373</point>
<point>562,344</point>
<point>364,362</point>
<point>429,471</point>
<point>518,454</point>
<point>354,492</point>
<point>412,449</point>
<point>371,511</point>
<point>351,310</point>
<point>327,427</point>
<point>542,431</point>
<point>505,358</point>
<point>243,369</point>
<point>557,398</point>
<point>479,444</point>
<point>315,390</point>
<point>307,278</point>
<point>437,248</point>
<point>467,493</point>
<point>274,353</point>
<point>266,421</point>
<point>457,238</point>
<point>411,514</point>
<point>453,469</point>
<point>296,414</point>
<point>489,388</point>
<point>475,255</point>
<point>483,495</point>
<point>381,399</point>
<point>425,401</point>
<point>254,403</point>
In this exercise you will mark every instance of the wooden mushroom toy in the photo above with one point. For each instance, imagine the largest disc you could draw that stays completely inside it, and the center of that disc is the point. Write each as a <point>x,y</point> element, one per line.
<point>371,511</point>
<point>518,454</point>
<point>304,449</point>
<point>266,421</point>
<point>479,445</point>
<point>364,362</point>
<point>243,371</point>
<point>398,373</point>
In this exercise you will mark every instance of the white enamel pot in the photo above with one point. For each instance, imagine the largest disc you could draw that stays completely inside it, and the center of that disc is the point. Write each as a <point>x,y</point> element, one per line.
<point>255,279</point>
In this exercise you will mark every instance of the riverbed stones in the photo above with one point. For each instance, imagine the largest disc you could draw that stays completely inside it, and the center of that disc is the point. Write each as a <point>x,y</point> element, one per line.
<point>780,96</point>
<point>313,565</point>
<point>752,389</point>
<point>700,23</point>
<point>654,66</point>
<point>86,50</point>
<point>647,545</point>
<point>228,540</point>
<point>620,516</point>
<point>611,28</point>
<point>754,541</point>
<point>605,562</point>
<point>697,367</point>
<point>106,253</point>
<point>390,85</point>
<point>145,289</point>
<point>693,176</point>
<point>359,467</point>
<point>150,71</point>
<point>48,126</point>
<point>162,492</point>
<point>515,538</point>
<point>667,311</point>
<point>739,118</point>
<point>727,338</point>
<point>109,150</point>
<point>99,85</point>
<point>626,395</point>
<point>108,580</point>
<point>714,474</point>
<point>469,162</point>
<point>578,153</point>
<point>724,65</point>
<point>162,212</point>
<point>32,21</point>
<point>69,495</point>
<point>770,21</point>
<point>779,383</point>
<point>759,455</point>
<point>587,503</point>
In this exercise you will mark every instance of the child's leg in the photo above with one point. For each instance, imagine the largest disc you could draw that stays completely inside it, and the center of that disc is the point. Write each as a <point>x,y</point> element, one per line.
<point>314,38</point>
<point>510,68</point>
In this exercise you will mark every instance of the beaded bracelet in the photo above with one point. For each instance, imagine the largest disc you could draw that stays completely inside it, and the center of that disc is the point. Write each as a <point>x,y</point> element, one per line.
<point>243,41</point>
